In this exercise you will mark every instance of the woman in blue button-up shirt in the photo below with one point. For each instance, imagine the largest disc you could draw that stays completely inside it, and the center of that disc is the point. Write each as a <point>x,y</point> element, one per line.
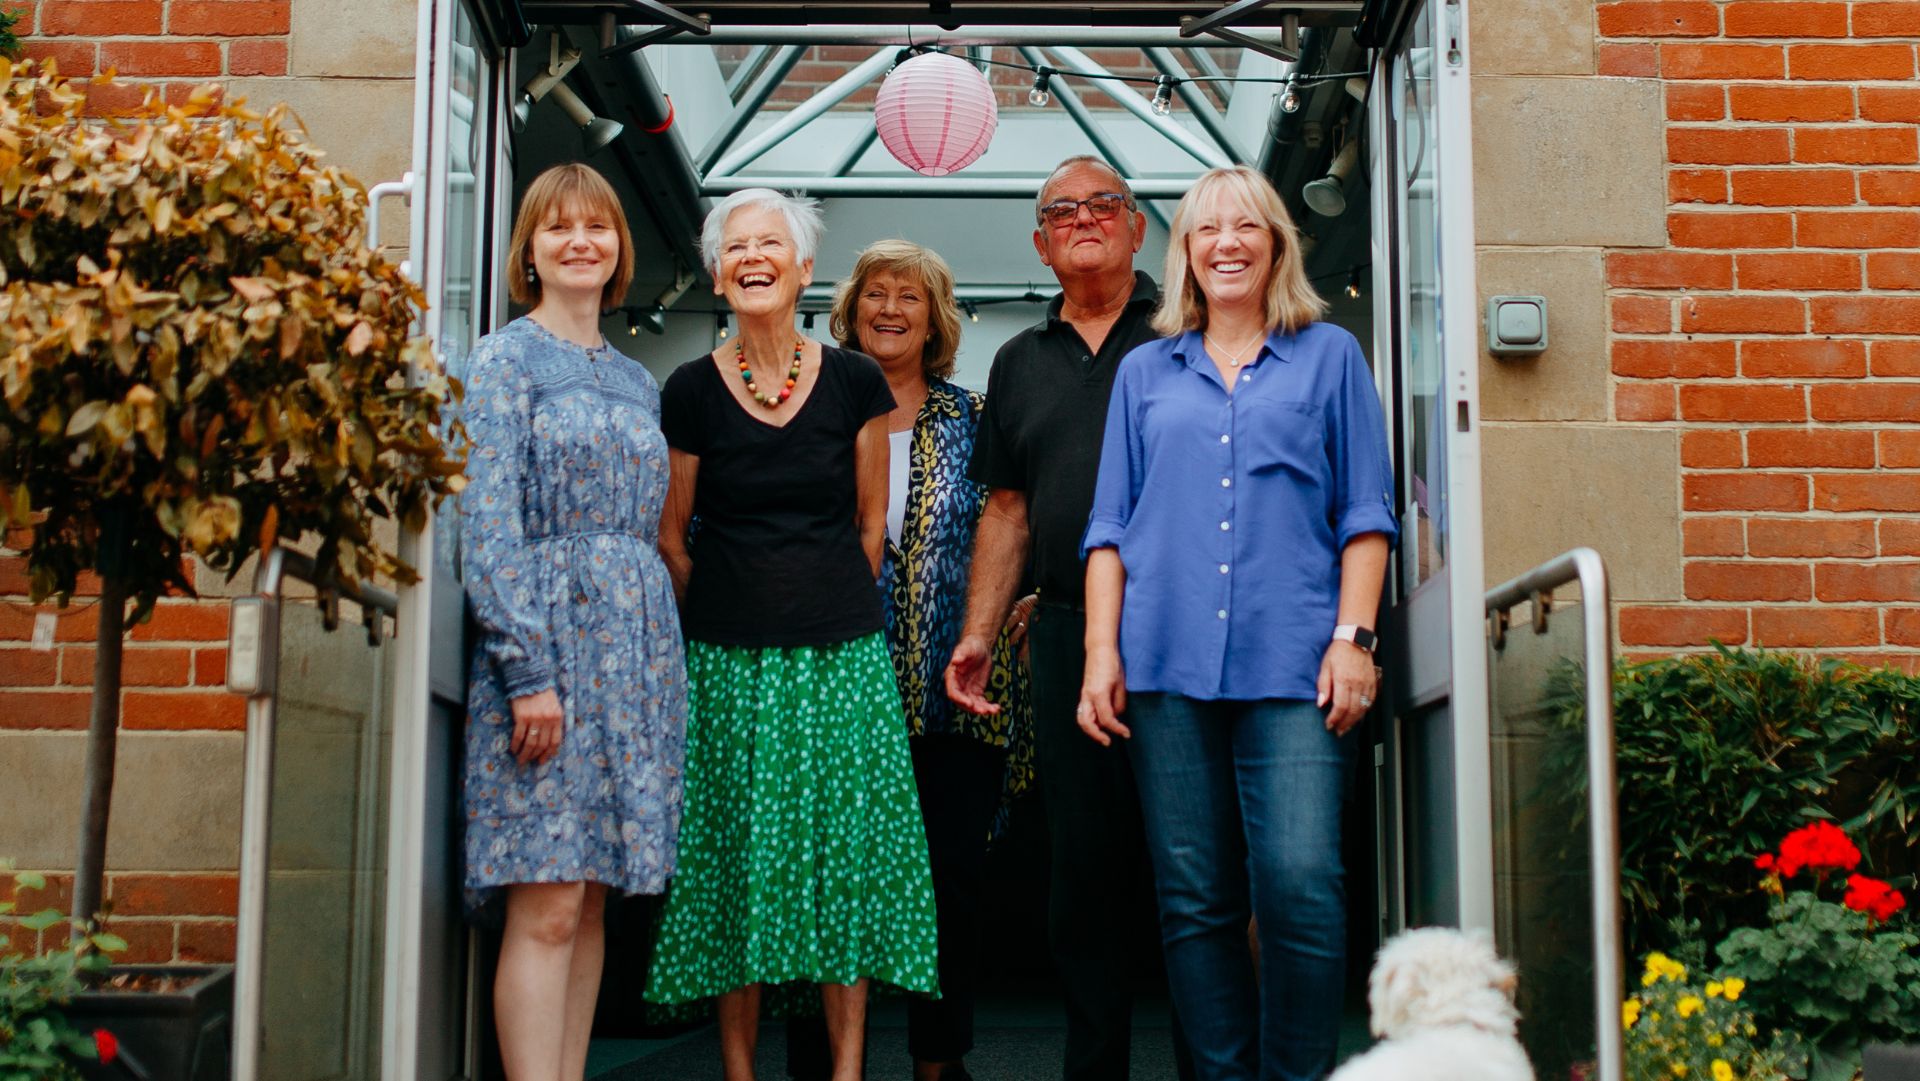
<point>1235,557</point>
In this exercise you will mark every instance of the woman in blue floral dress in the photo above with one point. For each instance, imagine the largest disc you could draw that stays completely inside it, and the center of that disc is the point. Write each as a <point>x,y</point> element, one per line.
<point>578,695</point>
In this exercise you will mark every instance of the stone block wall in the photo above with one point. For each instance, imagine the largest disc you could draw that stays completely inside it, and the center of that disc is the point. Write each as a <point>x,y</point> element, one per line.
<point>1756,356</point>
<point>346,69</point>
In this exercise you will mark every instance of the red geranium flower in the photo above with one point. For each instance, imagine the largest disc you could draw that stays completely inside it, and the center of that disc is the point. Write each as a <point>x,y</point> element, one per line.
<point>1764,861</point>
<point>1818,847</point>
<point>1874,897</point>
<point>106,1044</point>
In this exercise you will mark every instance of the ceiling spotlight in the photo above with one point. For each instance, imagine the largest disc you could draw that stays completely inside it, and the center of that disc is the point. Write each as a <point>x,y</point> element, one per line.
<point>1290,101</point>
<point>1327,196</point>
<point>654,318</point>
<point>1163,95</point>
<point>596,131</point>
<point>1042,91</point>
<point>1353,284</point>
<point>972,310</point>
<point>560,60</point>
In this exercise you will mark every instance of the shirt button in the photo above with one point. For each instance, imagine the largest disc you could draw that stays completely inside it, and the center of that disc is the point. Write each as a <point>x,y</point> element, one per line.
<point>1226,439</point>
<point>1226,482</point>
<point>1224,527</point>
<point>1223,568</point>
<point>1222,613</point>
<point>1247,378</point>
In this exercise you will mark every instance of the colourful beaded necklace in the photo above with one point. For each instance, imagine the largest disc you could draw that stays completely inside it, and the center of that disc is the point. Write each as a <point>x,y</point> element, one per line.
<point>771,401</point>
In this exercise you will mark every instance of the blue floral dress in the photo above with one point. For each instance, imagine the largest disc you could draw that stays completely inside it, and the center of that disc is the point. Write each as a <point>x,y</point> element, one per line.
<point>566,481</point>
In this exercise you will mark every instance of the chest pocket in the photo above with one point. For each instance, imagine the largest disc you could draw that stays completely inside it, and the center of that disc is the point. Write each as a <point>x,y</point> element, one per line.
<point>1283,436</point>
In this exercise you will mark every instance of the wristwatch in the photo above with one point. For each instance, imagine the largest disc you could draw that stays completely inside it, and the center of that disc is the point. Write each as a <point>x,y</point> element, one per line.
<point>1358,635</point>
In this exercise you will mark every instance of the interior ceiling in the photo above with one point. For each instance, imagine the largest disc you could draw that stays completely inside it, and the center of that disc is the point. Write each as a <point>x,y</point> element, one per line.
<point>951,15</point>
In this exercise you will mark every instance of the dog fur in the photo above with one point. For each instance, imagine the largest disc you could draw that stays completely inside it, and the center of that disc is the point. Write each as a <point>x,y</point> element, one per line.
<point>1442,1005</point>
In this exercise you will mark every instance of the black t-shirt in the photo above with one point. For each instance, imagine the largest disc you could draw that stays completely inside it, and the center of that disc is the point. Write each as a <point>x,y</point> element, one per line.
<point>1040,434</point>
<point>776,556</point>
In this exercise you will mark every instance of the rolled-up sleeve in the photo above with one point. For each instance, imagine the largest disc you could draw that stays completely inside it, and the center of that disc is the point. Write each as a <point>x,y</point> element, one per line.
<point>1122,461</point>
<point>1357,447</point>
<point>496,564</point>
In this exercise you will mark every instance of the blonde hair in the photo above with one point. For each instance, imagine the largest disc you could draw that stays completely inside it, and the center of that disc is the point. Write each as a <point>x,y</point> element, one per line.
<point>578,187</point>
<point>1291,302</point>
<point>908,260</point>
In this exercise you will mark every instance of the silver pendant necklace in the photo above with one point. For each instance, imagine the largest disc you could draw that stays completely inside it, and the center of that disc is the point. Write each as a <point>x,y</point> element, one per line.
<point>1233,356</point>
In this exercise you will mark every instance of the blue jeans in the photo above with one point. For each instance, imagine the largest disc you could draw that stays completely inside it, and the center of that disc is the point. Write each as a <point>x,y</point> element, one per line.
<point>1242,808</point>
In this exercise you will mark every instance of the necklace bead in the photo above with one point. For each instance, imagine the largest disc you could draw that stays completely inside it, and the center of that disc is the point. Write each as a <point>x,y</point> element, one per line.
<point>771,401</point>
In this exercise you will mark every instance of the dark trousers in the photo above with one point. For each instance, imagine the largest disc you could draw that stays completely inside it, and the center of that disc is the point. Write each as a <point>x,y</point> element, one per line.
<point>959,781</point>
<point>1099,858</point>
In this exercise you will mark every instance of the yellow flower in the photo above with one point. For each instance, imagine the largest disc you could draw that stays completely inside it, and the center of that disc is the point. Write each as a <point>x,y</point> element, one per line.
<point>1649,978</point>
<point>1679,1069</point>
<point>1691,1005</point>
<point>1714,1039</point>
<point>1733,987</point>
<point>1722,1071</point>
<point>1750,1030</point>
<point>1714,987</point>
<point>1629,1012</point>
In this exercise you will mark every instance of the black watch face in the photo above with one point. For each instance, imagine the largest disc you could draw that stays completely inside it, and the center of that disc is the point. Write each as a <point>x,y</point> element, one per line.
<point>1364,638</point>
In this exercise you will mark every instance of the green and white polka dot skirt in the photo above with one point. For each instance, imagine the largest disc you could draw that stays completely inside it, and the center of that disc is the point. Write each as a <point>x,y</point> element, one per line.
<point>802,852</point>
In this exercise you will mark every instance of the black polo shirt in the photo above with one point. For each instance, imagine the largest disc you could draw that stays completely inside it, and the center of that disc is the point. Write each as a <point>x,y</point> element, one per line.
<point>1040,433</point>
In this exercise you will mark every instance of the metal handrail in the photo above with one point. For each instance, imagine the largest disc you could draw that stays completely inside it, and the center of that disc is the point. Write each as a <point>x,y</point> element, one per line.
<point>1584,565</point>
<point>261,623</point>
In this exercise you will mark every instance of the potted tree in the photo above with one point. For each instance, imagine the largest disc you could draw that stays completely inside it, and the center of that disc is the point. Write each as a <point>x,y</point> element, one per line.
<point>202,358</point>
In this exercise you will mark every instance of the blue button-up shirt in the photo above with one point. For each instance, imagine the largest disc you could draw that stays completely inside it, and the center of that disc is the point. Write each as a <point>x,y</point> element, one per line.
<point>1230,510</point>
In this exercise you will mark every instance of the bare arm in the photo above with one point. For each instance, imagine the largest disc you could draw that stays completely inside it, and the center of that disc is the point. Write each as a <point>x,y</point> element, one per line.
<point>870,451</point>
<point>683,470</point>
<point>1346,671</point>
<point>1103,690</point>
<point>1000,548</point>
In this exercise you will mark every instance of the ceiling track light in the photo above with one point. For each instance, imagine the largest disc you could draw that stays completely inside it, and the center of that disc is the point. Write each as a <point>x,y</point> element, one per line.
<point>1163,95</point>
<point>1290,101</point>
<point>1042,91</point>
<point>1327,196</point>
<point>596,131</point>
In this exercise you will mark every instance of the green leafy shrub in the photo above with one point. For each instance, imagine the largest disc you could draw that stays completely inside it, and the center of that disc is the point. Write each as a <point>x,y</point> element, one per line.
<point>36,1042</point>
<point>9,42</point>
<point>1718,755</point>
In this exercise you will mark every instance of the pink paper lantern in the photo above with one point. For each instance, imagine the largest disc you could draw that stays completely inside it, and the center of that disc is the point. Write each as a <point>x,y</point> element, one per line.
<point>936,114</point>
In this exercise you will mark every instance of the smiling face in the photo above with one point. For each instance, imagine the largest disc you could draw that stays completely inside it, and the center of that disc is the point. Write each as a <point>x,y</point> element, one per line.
<point>1230,253</point>
<point>1087,245</point>
<point>575,250</point>
<point>759,273</point>
<point>892,316</point>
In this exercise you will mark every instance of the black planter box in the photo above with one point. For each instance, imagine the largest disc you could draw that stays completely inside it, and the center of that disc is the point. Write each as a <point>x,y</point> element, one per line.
<point>184,1035</point>
<point>1891,1062</point>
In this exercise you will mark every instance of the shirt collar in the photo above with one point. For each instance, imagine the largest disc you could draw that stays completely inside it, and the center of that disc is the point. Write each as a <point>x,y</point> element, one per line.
<point>1190,348</point>
<point>1144,292</point>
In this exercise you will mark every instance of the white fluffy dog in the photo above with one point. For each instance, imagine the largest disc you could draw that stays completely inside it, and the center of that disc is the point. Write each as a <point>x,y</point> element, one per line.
<point>1442,1004</point>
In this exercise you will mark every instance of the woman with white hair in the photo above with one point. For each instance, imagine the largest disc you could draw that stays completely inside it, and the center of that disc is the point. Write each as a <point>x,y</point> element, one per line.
<point>1235,556</point>
<point>802,857</point>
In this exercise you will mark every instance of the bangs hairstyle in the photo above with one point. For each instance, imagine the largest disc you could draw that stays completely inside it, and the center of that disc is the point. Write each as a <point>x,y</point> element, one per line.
<point>1291,302</point>
<point>576,188</point>
<point>802,215</point>
<point>907,260</point>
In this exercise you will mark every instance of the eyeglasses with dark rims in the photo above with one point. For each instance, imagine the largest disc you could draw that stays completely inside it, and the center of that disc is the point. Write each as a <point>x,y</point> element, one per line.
<point>1103,206</point>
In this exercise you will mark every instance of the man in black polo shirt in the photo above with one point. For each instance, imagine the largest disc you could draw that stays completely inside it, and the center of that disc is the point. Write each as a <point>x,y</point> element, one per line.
<point>1038,452</point>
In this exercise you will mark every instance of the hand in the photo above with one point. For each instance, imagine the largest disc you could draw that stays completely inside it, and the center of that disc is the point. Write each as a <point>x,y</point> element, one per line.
<point>538,726</point>
<point>1349,681</point>
<point>1017,621</point>
<point>967,675</point>
<point>1103,697</point>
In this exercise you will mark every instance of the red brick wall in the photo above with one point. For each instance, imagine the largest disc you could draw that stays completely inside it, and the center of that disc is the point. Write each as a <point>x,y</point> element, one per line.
<point>173,670</point>
<point>1778,330</point>
<point>177,44</point>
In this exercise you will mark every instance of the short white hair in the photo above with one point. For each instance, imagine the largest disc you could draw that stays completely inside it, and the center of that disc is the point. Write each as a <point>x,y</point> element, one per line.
<point>1081,161</point>
<point>802,215</point>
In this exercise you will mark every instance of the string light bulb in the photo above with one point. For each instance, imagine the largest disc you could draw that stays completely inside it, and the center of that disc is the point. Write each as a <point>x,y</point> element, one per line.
<point>1353,284</point>
<point>1042,92</point>
<point>720,324</point>
<point>1163,96</point>
<point>972,310</point>
<point>633,323</point>
<point>1290,101</point>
